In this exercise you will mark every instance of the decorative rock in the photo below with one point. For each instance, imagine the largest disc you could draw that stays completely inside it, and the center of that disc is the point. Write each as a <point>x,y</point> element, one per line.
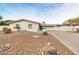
<point>35,36</point>
<point>48,50</point>
<point>49,44</point>
<point>5,46</point>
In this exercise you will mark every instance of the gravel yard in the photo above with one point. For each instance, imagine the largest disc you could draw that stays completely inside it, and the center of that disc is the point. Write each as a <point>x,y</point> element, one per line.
<point>29,43</point>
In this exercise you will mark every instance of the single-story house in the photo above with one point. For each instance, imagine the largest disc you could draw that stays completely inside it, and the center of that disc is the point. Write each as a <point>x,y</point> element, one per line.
<point>27,25</point>
<point>24,25</point>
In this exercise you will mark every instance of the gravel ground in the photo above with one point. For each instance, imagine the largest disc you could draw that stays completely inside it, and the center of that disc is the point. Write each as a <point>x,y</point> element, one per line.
<point>29,43</point>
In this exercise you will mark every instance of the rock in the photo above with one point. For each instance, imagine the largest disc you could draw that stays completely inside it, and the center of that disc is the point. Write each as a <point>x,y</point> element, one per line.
<point>49,44</point>
<point>35,36</point>
<point>5,46</point>
<point>48,50</point>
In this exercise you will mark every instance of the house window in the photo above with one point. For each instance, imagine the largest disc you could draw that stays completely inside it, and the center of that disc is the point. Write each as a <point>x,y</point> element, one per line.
<point>29,26</point>
<point>17,25</point>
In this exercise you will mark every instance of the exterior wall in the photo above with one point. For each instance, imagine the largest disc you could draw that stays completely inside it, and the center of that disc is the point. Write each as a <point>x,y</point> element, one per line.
<point>1,27</point>
<point>49,28</point>
<point>63,28</point>
<point>24,26</point>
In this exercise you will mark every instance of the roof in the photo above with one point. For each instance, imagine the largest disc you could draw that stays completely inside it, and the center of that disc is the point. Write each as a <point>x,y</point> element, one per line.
<point>23,20</point>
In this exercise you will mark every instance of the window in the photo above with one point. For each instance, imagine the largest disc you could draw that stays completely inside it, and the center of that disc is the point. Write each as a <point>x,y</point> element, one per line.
<point>29,26</point>
<point>17,25</point>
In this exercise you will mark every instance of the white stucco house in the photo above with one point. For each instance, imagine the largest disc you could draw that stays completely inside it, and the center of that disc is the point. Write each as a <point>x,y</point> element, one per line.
<point>27,25</point>
<point>24,25</point>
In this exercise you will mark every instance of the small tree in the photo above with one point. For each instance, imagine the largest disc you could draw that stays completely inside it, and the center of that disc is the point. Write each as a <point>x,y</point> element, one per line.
<point>2,22</point>
<point>40,27</point>
<point>43,25</point>
<point>17,27</point>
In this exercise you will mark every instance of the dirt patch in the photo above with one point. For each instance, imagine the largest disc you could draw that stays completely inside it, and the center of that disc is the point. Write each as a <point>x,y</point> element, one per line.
<point>23,43</point>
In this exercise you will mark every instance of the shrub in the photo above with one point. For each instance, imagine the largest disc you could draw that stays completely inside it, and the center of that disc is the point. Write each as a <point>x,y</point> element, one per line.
<point>45,33</point>
<point>5,28</point>
<point>77,30</point>
<point>8,30</point>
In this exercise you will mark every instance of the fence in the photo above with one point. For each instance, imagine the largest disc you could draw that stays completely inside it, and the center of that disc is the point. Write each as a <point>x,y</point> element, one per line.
<point>63,28</point>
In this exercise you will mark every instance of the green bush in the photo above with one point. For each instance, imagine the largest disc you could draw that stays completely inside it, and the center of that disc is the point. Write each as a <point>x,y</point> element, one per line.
<point>45,33</point>
<point>77,30</point>
<point>7,30</point>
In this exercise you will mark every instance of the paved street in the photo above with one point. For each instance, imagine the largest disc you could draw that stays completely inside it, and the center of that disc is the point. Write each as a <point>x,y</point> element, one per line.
<point>70,40</point>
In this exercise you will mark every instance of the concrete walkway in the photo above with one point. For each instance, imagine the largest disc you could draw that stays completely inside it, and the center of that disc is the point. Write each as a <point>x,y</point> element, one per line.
<point>70,40</point>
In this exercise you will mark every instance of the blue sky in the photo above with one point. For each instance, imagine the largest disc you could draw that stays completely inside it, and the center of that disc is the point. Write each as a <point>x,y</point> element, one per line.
<point>51,13</point>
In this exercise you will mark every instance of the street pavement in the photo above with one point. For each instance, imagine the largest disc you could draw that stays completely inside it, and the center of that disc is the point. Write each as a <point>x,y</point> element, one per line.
<point>70,40</point>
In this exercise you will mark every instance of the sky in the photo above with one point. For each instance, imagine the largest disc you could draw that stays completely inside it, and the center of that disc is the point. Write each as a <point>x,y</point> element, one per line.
<point>51,13</point>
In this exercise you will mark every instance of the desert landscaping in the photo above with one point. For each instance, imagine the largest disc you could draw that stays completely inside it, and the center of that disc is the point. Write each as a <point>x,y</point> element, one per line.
<point>38,29</point>
<point>30,43</point>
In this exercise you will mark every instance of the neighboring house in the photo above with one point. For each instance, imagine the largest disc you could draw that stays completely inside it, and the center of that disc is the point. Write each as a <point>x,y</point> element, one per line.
<point>24,25</point>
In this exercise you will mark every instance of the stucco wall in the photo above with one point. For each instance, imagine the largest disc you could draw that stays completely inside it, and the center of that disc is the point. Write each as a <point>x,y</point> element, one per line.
<point>1,27</point>
<point>62,28</point>
<point>24,26</point>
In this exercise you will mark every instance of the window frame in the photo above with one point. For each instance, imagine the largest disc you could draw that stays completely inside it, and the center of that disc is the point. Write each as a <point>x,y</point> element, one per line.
<point>29,26</point>
<point>17,25</point>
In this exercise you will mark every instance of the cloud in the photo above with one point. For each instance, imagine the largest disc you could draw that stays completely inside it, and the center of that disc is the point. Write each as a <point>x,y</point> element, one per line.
<point>50,13</point>
<point>64,12</point>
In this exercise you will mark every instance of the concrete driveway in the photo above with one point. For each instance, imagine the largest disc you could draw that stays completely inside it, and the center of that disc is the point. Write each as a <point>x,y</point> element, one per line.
<point>70,40</point>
